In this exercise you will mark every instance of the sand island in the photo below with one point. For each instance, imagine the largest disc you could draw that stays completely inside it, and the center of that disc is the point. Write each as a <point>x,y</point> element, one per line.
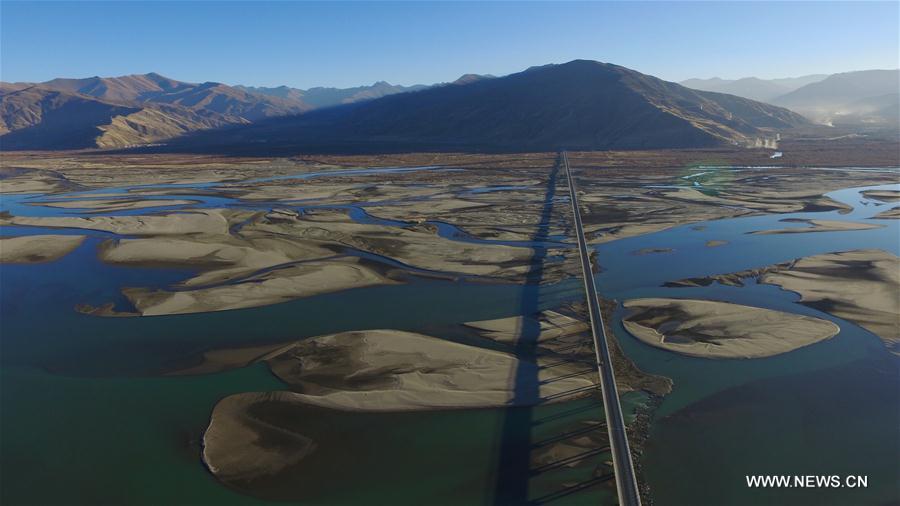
<point>861,286</point>
<point>708,329</point>
<point>32,249</point>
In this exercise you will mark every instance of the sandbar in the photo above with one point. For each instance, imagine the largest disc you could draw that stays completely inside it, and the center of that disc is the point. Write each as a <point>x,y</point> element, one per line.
<point>392,370</point>
<point>883,195</point>
<point>288,283</point>
<point>113,204</point>
<point>239,446</point>
<point>818,226</point>
<point>708,329</point>
<point>33,249</point>
<point>890,214</point>
<point>862,286</point>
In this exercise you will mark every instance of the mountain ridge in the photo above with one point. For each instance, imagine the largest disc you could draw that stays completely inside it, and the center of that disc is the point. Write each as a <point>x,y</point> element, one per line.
<point>145,109</point>
<point>322,96</point>
<point>155,88</point>
<point>753,88</point>
<point>847,98</point>
<point>38,117</point>
<point>580,105</point>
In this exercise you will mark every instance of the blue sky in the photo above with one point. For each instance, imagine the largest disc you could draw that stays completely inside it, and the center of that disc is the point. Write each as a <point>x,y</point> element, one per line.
<point>348,43</point>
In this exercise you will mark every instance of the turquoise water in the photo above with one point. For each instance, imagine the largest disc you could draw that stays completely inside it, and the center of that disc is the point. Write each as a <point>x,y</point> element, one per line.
<point>111,441</point>
<point>691,257</point>
<point>829,408</point>
<point>81,396</point>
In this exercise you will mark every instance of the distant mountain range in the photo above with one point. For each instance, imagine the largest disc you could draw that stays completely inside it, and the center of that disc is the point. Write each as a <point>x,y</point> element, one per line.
<point>326,97</point>
<point>851,98</point>
<point>867,97</point>
<point>115,112</point>
<point>578,105</point>
<point>753,88</point>
<point>35,117</point>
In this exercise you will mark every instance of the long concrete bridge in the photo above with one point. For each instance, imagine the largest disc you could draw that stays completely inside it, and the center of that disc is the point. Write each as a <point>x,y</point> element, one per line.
<point>626,481</point>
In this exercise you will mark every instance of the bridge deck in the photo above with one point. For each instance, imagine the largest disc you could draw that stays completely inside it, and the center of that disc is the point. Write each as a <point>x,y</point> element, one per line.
<point>626,482</point>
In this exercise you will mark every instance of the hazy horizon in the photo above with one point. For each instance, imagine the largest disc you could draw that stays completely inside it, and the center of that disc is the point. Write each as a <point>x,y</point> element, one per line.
<point>305,45</point>
<point>371,83</point>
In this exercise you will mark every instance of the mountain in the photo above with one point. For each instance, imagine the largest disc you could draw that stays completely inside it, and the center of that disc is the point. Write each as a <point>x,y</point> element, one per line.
<point>792,83</point>
<point>40,118</point>
<point>753,88</point>
<point>471,78</point>
<point>748,87</point>
<point>852,99</point>
<point>59,119</point>
<point>156,89</point>
<point>11,87</point>
<point>579,105</point>
<point>285,92</point>
<point>868,96</point>
<point>882,108</point>
<point>109,112</point>
<point>131,88</point>
<point>326,97</point>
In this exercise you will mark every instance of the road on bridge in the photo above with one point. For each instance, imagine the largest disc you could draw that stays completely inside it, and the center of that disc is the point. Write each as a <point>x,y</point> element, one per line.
<point>626,482</point>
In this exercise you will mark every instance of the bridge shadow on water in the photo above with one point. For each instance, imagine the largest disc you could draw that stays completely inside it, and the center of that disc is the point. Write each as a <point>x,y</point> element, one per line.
<point>531,427</point>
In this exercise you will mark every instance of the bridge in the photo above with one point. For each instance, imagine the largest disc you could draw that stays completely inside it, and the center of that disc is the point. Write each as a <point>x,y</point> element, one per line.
<point>626,481</point>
